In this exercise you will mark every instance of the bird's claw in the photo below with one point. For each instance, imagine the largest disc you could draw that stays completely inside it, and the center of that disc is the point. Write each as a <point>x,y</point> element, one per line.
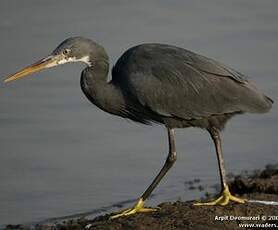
<point>223,199</point>
<point>138,207</point>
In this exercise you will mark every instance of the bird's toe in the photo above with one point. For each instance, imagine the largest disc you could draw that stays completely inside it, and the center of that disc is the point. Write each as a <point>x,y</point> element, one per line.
<point>223,199</point>
<point>138,208</point>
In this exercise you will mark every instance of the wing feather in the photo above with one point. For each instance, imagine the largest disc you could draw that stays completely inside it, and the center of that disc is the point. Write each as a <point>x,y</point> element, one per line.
<point>175,82</point>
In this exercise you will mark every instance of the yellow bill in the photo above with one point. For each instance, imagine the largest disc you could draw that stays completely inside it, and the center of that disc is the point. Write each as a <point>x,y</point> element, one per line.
<point>44,63</point>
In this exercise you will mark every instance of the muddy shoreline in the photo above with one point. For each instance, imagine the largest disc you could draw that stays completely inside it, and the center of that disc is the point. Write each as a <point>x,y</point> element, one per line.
<point>258,185</point>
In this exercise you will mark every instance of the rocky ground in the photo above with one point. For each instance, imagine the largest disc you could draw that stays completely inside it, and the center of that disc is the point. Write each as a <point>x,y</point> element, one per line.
<point>259,185</point>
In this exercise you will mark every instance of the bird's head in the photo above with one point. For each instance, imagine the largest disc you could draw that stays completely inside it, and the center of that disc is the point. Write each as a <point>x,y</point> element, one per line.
<point>75,49</point>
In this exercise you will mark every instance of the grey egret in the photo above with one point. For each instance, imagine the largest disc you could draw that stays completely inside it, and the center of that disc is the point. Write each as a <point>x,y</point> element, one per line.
<point>164,84</point>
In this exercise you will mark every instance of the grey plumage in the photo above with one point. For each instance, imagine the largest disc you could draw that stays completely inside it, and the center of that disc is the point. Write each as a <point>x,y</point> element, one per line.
<point>158,83</point>
<point>165,84</point>
<point>176,87</point>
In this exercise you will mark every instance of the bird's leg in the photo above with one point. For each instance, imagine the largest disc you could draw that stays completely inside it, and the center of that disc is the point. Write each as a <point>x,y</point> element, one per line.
<point>225,195</point>
<point>171,158</point>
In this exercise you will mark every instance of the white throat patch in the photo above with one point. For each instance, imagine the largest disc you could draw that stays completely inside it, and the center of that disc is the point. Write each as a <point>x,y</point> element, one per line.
<point>84,59</point>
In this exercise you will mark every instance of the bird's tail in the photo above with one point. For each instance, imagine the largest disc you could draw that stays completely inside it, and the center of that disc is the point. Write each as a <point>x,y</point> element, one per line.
<point>255,100</point>
<point>269,102</point>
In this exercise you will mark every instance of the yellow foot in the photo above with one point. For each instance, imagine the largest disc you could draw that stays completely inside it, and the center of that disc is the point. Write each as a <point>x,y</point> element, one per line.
<point>138,207</point>
<point>224,199</point>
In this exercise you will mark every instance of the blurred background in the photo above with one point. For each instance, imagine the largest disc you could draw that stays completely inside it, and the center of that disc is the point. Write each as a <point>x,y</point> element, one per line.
<point>60,155</point>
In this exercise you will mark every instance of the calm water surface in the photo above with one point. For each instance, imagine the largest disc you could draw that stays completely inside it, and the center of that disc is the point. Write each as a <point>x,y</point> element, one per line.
<point>61,156</point>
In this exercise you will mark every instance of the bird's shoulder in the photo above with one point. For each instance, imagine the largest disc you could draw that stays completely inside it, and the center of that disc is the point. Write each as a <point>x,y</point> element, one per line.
<point>175,82</point>
<point>151,57</point>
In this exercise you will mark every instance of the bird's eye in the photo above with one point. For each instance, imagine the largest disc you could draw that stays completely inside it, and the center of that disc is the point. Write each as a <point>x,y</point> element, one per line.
<point>66,51</point>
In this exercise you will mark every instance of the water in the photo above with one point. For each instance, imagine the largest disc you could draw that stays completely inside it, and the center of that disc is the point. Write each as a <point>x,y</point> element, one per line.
<point>61,156</point>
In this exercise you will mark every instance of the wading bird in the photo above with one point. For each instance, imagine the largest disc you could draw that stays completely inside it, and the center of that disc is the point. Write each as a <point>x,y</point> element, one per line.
<point>158,83</point>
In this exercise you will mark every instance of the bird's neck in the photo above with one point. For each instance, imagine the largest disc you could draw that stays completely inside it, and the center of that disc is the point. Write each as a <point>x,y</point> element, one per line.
<point>98,90</point>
